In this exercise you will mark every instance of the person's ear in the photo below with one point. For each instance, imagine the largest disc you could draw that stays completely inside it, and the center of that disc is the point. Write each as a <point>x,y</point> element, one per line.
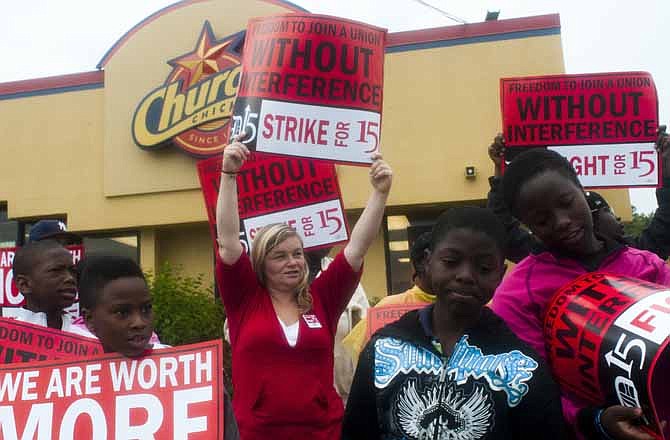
<point>88,319</point>
<point>426,257</point>
<point>23,283</point>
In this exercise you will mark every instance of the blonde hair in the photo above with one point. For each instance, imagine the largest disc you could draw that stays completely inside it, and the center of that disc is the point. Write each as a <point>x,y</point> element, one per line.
<point>266,239</point>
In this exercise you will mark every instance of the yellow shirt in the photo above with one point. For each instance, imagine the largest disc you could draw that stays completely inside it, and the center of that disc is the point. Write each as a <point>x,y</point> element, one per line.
<point>356,339</point>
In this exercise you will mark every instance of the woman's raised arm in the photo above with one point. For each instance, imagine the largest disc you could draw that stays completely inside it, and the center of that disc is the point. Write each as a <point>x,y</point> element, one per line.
<point>227,217</point>
<point>367,226</point>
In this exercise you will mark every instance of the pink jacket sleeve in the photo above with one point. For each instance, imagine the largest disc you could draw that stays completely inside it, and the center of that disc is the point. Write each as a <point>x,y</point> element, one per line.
<point>517,306</point>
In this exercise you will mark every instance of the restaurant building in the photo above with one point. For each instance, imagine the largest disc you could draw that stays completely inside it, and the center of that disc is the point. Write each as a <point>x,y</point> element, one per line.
<point>68,150</point>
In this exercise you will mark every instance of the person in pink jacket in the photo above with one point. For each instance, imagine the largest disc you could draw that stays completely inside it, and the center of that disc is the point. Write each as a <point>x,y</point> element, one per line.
<point>541,188</point>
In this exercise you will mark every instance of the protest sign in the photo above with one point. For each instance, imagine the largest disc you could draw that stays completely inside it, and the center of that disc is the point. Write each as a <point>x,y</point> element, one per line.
<point>10,295</point>
<point>378,317</point>
<point>24,342</point>
<point>311,86</point>
<point>302,193</point>
<point>612,116</point>
<point>605,336</point>
<point>175,393</point>
<point>609,166</point>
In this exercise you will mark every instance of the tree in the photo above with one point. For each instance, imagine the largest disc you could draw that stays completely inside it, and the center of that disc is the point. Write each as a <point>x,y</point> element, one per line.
<point>638,224</point>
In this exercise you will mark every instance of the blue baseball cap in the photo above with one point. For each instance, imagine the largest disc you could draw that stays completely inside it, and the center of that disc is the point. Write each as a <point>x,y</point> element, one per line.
<point>54,229</point>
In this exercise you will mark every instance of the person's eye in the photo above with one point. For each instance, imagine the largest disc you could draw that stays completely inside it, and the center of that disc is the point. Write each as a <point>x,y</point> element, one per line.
<point>567,200</point>
<point>147,308</point>
<point>121,313</point>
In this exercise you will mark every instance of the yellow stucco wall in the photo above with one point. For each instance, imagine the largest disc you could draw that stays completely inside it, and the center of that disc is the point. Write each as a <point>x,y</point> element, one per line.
<point>72,154</point>
<point>188,247</point>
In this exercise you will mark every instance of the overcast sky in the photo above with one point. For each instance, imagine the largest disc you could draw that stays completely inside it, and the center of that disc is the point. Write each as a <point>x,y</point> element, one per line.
<point>52,37</point>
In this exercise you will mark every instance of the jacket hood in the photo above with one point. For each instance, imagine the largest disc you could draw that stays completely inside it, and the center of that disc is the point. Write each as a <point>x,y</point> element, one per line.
<point>409,327</point>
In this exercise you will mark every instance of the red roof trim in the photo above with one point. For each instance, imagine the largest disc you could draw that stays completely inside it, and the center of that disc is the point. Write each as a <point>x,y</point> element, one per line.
<point>474,30</point>
<point>79,80</point>
<point>73,80</point>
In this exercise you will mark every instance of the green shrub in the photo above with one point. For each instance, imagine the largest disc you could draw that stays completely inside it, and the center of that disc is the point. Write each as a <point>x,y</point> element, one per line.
<point>186,311</point>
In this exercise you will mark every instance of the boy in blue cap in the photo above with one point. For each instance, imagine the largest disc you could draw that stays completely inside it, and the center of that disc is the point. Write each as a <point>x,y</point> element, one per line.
<point>53,230</point>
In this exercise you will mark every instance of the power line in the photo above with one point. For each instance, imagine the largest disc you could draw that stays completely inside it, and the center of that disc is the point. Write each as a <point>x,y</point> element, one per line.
<point>444,13</point>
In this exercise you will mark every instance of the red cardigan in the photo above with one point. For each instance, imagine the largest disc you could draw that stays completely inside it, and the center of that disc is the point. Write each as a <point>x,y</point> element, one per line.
<point>283,392</point>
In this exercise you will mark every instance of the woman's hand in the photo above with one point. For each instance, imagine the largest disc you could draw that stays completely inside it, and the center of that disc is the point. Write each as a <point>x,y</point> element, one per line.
<point>496,153</point>
<point>381,174</point>
<point>663,147</point>
<point>620,423</point>
<point>234,156</point>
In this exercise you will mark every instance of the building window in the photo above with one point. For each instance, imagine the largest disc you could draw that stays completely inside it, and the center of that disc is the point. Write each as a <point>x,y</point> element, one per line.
<point>9,229</point>
<point>401,232</point>
<point>123,244</point>
<point>399,271</point>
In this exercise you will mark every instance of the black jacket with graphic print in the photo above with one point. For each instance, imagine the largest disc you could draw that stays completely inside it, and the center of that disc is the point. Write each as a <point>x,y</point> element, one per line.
<point>495,386</point>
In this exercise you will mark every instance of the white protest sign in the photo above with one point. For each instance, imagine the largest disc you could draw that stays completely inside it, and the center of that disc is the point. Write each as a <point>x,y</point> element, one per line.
<point>611,166</point>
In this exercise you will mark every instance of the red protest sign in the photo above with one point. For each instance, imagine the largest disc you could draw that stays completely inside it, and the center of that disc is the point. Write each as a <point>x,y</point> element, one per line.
<point>302,193</point>
<point>615,114</point>
<point>605,335</point>
<point>311,87</point>
<point>24,342</point>
<point>378,317</point>
<point>209,173</point>
<point>602,108</point>
<point>9,294</point>
<point>172,393</point>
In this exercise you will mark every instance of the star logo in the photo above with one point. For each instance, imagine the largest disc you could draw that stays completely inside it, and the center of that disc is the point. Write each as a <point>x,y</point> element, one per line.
<point>192,109</point>
<point>208,57</point>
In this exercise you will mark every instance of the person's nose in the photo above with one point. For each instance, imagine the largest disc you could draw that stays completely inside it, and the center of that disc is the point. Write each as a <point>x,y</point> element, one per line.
<point>465,274</point>
<point>71,276</point>
<point>138,321</point>
<point>562,220</point>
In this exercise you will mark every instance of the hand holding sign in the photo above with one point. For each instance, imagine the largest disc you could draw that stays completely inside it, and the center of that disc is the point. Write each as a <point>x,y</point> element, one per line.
<point>497,153</point>
<point>381,174</point>
<point>663,147</point>
<point>621,422</point>
<point>626,323</point>
<point>234,156</point>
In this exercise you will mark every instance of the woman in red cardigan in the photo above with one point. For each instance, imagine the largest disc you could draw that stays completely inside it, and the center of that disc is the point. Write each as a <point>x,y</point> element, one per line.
<point>281,328</point>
